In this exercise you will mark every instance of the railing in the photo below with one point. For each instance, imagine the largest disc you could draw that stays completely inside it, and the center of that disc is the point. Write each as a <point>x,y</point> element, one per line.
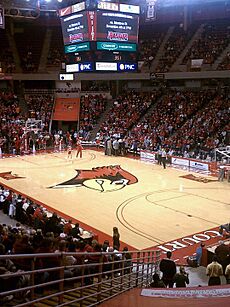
<point>96,278</point>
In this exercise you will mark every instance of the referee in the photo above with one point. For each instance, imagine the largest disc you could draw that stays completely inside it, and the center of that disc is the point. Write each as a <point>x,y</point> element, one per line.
<point>163,158</point>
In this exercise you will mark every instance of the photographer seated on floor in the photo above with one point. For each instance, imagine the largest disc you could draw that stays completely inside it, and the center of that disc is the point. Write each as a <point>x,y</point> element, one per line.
<point>224,230</point>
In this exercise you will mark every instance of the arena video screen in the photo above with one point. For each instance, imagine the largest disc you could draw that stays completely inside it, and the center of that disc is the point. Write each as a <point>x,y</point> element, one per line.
<point>117,27</point>
<point>74,28</point>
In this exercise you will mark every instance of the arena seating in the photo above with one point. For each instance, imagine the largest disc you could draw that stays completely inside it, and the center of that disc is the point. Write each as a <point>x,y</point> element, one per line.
<point>29,41</point>
<point>40,107</point>
<point>174,46</point>
<point>126,111</point>
<point>6,57</point>
<point>92,107</point>
<point>149,45</point>
<point>56,54</point>
<point>225,64</point>
<point>213,41</point>
<point>202,128</point>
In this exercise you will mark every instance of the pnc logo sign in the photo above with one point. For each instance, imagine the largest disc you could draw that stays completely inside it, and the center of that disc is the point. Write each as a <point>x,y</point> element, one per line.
<point>85,67</point>
<point>127,67</point>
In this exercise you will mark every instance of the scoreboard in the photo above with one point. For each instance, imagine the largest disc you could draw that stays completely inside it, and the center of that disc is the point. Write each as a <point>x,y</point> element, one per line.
<point>75,28</point>
<point>117,27</point>
<point>107,33</point>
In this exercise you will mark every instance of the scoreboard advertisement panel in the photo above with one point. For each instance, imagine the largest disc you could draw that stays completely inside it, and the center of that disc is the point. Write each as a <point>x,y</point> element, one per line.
<point>117,27</point>
<point>74,28</point>
<point>100,26</point>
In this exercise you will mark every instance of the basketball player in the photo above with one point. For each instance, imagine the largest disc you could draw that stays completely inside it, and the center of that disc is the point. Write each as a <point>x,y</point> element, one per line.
<point>69,152</point>
<point>79,148</point>
<point>56,142</point>
<point>2,141</point>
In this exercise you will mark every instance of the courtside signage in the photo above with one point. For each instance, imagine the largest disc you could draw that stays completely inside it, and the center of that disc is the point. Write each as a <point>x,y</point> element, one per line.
<point>179,161</point>
<point>199,165</point>
<point>147,156</point>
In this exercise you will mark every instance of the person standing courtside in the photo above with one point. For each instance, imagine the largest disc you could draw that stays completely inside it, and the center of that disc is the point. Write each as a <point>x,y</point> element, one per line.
<point>163,158</point>
<point>168,268</point>
<point>159,155</point>
<point>221,173</point>
<point>214,270</point>
<point>109,147</point>
<point>116,147</point>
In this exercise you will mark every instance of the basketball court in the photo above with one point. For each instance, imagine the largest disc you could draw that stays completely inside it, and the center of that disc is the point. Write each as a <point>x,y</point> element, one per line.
<point>150,205</point>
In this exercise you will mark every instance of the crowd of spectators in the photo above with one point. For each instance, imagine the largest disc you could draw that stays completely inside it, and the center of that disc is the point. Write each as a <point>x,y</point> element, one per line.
<point>158,127</point>
<point>206,130</point>
<point>40,107</point>
<point>174,46</point>
<point>27,61</point>
<point>214,39</point>
<point>7,64</point>
<point>225,64</point>
<point>92,107</point>
<point>186,123</point>
<point>10,121</point>
<point>127,109</point>
<point>55,57</point>
<point>39,231</point>
<point>56,51</point>
<point>13,135</point>
<point>148,47</point>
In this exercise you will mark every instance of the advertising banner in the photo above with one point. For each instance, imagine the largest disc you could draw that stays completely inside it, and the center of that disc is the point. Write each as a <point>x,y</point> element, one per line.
<point>92,25</point>
<point>77,47</point>
<point>180,161</point>
<point>110,6</point>
<point>112,46</point>
<point>147,156</point>
<point>106,66</point>
<point>204,292</point>
<point>72,9</point>
<point>118,27</point>
<point>127,66</point>
<point>199,165</point>
<point>74,28</point>
<point>67,109</point>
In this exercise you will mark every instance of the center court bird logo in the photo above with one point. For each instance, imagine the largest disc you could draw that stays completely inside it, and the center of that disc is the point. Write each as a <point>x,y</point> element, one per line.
<point>104,179</point>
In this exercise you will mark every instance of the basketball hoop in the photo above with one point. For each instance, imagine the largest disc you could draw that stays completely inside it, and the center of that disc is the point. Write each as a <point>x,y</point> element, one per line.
<point>33,125</point>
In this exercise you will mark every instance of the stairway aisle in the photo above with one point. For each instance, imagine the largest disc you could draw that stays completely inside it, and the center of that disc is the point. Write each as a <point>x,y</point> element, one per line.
<point>220,58</point>
<point>45,51</point>
<point>13,48</point>
<point>101,120</point>
<point>178,66</point>
<point>161,49</point>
